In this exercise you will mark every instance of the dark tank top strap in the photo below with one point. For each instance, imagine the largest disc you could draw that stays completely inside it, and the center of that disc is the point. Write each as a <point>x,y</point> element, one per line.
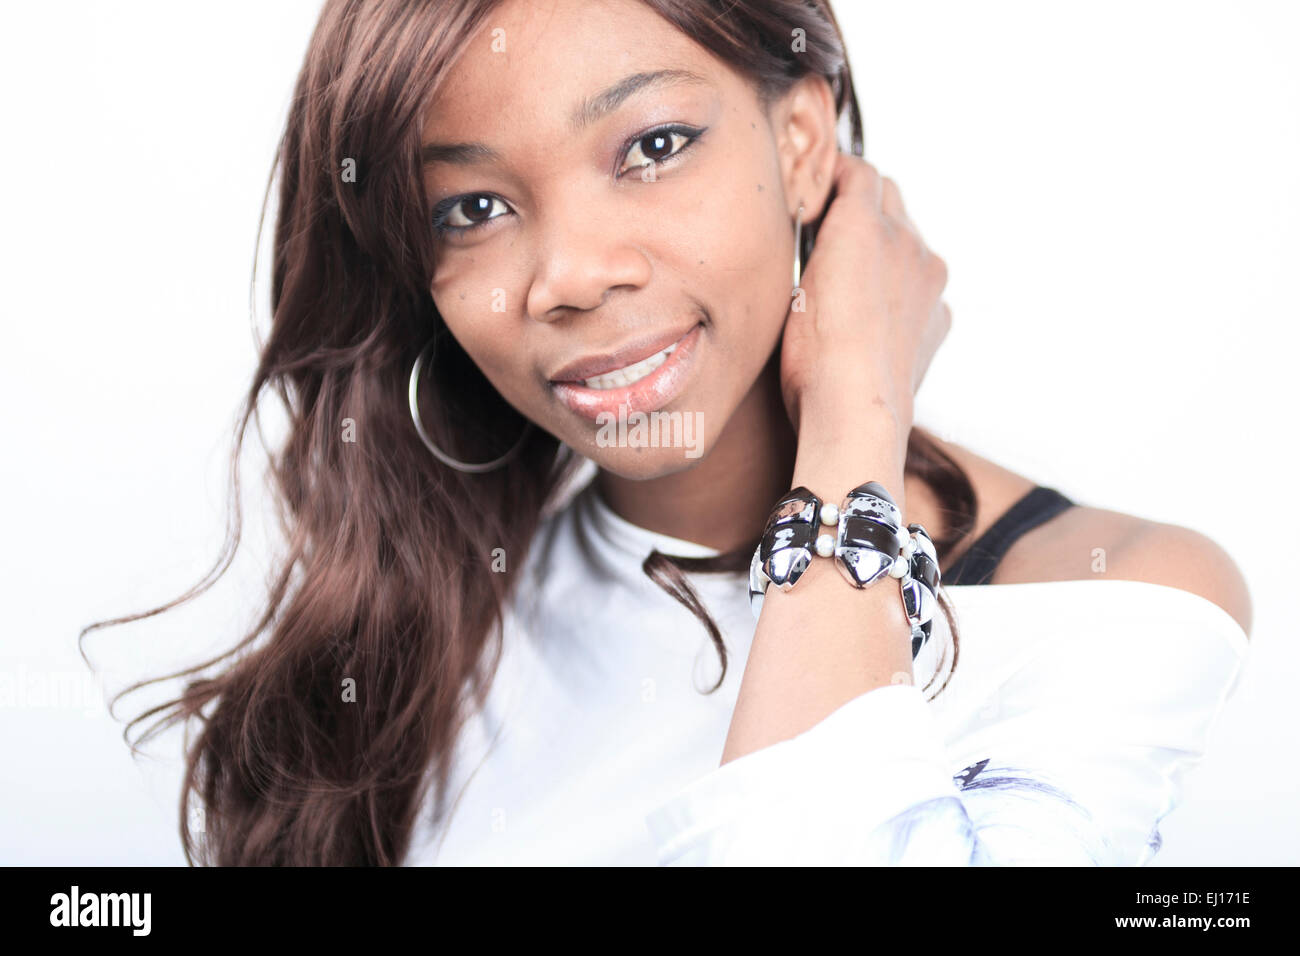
<point>976,566</point>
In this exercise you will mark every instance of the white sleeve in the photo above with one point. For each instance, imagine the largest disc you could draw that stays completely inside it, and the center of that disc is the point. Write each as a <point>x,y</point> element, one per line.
<point>1085,751</point>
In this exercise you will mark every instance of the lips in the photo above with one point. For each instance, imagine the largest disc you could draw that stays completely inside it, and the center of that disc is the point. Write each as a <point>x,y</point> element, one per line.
<point>643,376</point>
<point>603,363</point>
<point>631,373</point>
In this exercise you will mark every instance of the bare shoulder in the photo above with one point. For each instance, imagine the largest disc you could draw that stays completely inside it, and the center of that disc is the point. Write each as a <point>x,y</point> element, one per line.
<point>1084,543</point>
<point>1185,558</point>
<point>1091,543</point>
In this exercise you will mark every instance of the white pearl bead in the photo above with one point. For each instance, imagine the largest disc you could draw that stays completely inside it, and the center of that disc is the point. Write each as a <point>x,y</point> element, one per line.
<point>899,567</point>
<point>830,513</point>
<point>909,548</point>
<point>825,545</point>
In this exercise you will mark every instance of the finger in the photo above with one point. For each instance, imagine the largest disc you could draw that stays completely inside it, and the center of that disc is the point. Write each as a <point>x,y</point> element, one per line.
<point>935,333</point>
<point>891,200</point>
<point>854,176</point>
<point>940,266</point>
<point>938,327</point>
<point>892,205</point>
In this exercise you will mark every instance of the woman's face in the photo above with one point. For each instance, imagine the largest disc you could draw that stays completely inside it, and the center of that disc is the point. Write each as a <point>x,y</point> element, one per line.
<point>587,285</point>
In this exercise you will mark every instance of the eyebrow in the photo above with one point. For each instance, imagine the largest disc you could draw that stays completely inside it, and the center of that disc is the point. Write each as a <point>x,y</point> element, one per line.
<point>589,111</point>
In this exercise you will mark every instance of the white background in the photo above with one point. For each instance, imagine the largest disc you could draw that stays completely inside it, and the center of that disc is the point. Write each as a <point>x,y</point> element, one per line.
<point>1113,186</point>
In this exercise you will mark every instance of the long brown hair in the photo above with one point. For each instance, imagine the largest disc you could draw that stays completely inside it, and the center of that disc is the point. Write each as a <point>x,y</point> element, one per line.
<point>381,631</point>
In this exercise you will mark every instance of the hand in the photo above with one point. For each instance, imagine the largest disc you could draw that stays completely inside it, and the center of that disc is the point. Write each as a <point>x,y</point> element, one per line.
<point>873,318</point>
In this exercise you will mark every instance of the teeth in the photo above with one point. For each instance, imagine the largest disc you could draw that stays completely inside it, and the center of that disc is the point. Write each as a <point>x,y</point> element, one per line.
<point>621,377</point>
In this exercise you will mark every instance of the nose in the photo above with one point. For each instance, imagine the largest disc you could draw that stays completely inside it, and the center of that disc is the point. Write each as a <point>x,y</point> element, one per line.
<point>582,259</point>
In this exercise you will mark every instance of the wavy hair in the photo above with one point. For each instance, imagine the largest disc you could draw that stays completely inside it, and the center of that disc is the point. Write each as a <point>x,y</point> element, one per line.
<point>381,581</point>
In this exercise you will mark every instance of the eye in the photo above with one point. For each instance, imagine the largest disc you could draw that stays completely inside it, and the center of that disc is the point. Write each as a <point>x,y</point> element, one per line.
<point>659,146</point>
<point>462,213</point>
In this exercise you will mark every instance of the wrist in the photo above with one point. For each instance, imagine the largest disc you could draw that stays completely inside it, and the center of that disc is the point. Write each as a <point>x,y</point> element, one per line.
<point>833,457</point>
<point>830,413</point>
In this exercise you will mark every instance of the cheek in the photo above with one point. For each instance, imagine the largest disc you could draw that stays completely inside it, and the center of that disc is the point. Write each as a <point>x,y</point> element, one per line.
<point>750,265</point>
<point>485,335</point>
<point>744,242</point>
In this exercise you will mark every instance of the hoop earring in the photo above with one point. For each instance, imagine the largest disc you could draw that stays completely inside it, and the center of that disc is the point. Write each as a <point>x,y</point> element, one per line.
<point>798,246</point>
<point>428,442</point>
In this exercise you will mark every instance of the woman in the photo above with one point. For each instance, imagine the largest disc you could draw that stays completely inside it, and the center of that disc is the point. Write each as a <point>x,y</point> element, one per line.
<point>510,231</point>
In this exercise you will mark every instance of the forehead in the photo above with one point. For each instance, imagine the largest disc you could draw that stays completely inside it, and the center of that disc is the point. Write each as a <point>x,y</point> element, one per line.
<point>536,61</point>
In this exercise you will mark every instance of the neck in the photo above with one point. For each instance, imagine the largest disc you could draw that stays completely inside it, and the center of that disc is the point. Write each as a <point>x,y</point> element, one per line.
<point>724,499</point>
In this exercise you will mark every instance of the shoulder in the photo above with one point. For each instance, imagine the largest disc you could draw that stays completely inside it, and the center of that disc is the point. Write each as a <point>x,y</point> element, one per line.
<point>1186,559</point>
<point>1085,543</point>
<point>1095,543</point>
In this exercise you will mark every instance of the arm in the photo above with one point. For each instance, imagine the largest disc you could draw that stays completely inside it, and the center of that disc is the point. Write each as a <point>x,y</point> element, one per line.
<point>824,643</point>
<point>1083,758</point>
<point>853,354</point>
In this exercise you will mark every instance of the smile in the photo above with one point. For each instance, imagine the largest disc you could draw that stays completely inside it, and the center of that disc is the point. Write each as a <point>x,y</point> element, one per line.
<point>642,386</point>
<point>631,373</point>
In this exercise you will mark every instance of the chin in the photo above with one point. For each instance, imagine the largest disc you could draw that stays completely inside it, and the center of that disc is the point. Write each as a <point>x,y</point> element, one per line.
<point>645,468</point>
<point>645,463</point>
<point>644,445</point>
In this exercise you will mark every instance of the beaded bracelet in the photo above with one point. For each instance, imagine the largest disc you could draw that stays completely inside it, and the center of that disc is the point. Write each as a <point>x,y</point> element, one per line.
<point>869,544</point>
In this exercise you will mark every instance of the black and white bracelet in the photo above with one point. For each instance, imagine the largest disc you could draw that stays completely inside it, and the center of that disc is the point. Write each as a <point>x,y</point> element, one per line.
<point>870,543</point>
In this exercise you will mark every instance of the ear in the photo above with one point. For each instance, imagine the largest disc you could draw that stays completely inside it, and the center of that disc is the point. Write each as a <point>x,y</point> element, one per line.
<point>804,123</point>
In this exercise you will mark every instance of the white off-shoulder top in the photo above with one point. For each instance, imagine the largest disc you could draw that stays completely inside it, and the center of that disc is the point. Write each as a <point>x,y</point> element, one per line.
<point>1064,734</point>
